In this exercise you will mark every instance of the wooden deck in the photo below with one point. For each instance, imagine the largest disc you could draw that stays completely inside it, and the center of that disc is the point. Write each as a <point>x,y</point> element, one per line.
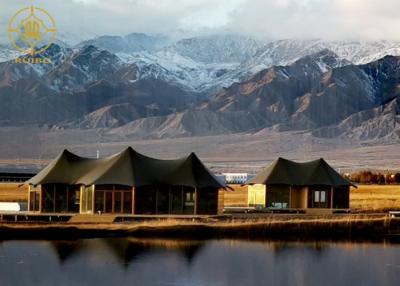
<point>311,211</point>
<point>28,217</point>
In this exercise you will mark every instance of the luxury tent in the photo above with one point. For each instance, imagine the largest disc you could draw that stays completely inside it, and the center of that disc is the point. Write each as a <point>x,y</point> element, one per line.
<point>288,184</point>
<point>127,182</point>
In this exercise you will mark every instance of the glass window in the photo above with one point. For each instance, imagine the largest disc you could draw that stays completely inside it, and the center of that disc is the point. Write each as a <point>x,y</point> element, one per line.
<point>118,202</point>
<point>37,201</point>
<point>77,197</point>
<point>84,194</point>
<point>127,202</point>
<point>89,198</point>
<point>32,201</point>
<point>323,197</point>
<point>316,196</point>
<point>99,201</point>
<point>108,208</point>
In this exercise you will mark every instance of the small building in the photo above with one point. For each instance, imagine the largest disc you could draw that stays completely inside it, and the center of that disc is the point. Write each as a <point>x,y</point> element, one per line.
<point>235,178</point>
<point>127,182</point>
<point>15,176</point>
<point>288,184</point>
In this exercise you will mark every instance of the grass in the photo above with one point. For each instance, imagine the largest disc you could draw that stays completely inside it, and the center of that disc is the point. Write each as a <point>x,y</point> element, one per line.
<point>237,197</point>
<point>375,198</point>
<point>11,192</point>
<point>338,227</point>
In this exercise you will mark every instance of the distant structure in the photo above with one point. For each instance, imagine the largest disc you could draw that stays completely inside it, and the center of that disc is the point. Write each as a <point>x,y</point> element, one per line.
<point>15,176</point>
<point>235,178</point>
<point>288,184</point>
<point>127,182</point>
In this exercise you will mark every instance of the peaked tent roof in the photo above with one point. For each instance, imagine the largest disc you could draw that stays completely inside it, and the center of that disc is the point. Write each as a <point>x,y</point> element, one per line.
<point>128,168</point>
<point>286,172</point>
<point>66,168</point>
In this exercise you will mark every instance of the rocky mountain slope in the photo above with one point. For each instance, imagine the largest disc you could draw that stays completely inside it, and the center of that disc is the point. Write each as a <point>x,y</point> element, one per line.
<point>318,93</point>
<point>77,84</point>
<point>145,86</point>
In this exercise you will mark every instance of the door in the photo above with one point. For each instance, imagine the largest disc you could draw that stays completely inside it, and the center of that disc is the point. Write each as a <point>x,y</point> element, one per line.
<point>99,201</point>
<point>189,201</point>
<point>118,202</point>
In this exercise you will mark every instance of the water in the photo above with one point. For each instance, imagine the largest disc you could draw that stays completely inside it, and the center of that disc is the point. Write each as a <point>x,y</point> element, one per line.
<point>216,262</point>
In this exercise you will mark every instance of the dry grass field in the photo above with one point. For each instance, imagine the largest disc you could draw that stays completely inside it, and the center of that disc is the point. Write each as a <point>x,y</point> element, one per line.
<point>10,192</point>
<point>237,197</point>
<point>361,226</point>
<point>367,198</point>
<point>375,198</point>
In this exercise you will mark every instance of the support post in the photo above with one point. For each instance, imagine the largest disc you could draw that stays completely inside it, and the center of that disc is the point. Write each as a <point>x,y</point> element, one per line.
<point>182,201</point>
<point>29,198</point>
<point>80,198</point>
<point>195,201</point>
<point>40,198</point>
<point>133,200</point>
<point>156,206</point>
<point>67,199</point>
<point>169,200</point>
<point>93,190</point>
<point>332,189</point>
<point>290,196</point>
<point>54,198</point>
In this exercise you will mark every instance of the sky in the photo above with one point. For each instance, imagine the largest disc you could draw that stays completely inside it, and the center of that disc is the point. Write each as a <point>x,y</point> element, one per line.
<point>267,19</point>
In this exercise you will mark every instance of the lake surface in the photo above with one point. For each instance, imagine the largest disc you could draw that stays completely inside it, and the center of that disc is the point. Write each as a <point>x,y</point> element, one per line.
<point>129,261</point>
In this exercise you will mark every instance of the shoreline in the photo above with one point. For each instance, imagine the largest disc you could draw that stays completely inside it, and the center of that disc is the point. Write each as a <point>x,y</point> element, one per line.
<point>325,228</point>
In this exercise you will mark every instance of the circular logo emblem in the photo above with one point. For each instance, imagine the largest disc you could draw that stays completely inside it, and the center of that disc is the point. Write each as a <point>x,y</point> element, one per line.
<point>32,30</point>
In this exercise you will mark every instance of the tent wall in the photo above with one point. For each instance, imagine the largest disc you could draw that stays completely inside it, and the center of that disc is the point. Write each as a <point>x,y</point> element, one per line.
<point>341,198</point>
<point>278,196</point>
<point>113,199</point>
<point>54,198</point>
<point>207,201</point>
<point>177,200</point>
<point>320,196</point>
<point>145,200</point>
<point>302,197</point>
<point>298,197</point>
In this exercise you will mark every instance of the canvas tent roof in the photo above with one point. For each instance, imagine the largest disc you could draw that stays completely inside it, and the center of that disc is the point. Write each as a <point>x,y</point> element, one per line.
<point>128,168</point>
<point>286,172</point>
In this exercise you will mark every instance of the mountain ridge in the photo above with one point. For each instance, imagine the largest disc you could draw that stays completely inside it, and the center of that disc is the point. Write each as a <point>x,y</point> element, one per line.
<point>91,87</point>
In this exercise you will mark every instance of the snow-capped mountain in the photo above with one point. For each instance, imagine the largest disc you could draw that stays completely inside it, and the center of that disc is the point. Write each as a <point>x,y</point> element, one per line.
<point>206,64</point>
<point>148,94</point>
<point>8,52</point>
<point>218,48</point>
<point>134,42</point>
<point>200,64</point>
<point>210,63</point>
<point>284,52</point>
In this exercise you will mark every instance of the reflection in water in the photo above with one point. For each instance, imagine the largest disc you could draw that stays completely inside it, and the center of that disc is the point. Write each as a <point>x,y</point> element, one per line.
<point>126,249</point>
<point>129,249</point>
<point>131,261</point>
<point>65,249</point>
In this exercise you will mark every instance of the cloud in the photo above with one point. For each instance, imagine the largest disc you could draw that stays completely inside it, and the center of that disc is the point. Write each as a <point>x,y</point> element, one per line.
<point>331,19</point>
